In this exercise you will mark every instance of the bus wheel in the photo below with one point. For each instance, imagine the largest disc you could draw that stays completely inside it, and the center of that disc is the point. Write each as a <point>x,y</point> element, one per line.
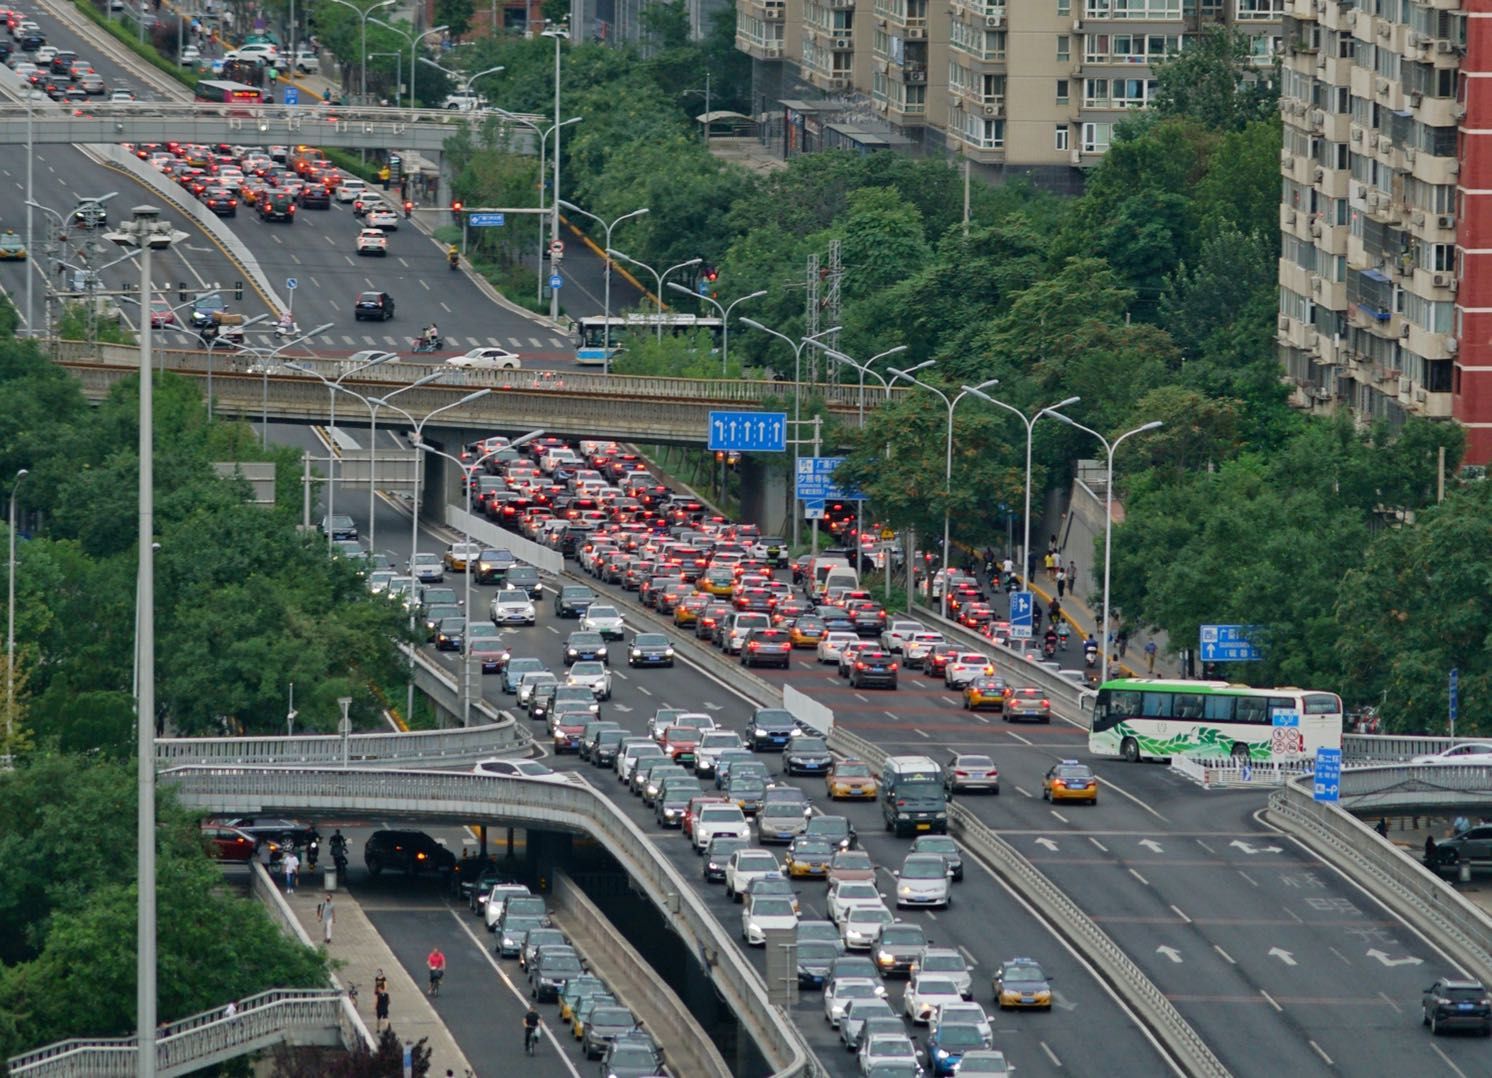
<point>1130,750</point>
<point>1240,751</point>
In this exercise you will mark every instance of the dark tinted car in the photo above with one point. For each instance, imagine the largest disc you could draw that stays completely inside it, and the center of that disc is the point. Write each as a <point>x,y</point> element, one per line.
<point>769,728</point>
<point>492,566</point>
<point>315,196</point>
<point>572,600</point>
<point>806,756</point>
<point>525,578</point>
<point>276,206</point>
<point>411,852</point>
<point>767,647</point>
<point>373,306</point>
<point>1453,1003</point>
<point>220,201</point>
<point>873,668</point>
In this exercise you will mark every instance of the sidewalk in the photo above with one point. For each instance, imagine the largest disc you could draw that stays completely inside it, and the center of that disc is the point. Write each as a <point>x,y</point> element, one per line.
<point>358,952</point>
<point>1409,833</point>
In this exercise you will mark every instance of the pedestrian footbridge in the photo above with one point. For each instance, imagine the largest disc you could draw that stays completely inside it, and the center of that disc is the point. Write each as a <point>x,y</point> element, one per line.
<point>457,748</point>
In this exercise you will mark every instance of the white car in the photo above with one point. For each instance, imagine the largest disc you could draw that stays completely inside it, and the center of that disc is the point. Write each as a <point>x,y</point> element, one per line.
<point>594,676</point>
<point>427,568</point>
<point>486,359</point>
<point>630,759</point>
<point>964,1014</point>
<point>190,56</point>
<point>716,820</point>
<point>946,962</point>
<point>351,189</point>
<point>382,218</point>
<point>531,681</point>
<point>763,913</point>
<point>512,607</point>
<point>711,745</point>
<point>263,51</point>
<point>1468,752</point>
<point>886,1049</point>
<point>925,993</point>
<point>839,992</point>
<point>916,650</point>
<point>121,97</point>
<point>964,667</point>
<point>527,769</point>
<point>831,645</point>
<point>862,924</point>
<point>606,620</point>
<point>923,880</point>
<point>895,635</point>
<point>845,895</point>
<point>372,241</point>
<point>747,865</point>
<point>491,904</point>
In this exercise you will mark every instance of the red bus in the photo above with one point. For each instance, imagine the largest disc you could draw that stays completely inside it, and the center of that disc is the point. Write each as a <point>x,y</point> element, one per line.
<point>229,93</point>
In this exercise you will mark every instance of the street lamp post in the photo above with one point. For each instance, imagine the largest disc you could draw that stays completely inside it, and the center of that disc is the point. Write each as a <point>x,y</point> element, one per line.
<point>147,232</point>
<point>414,536</point>
<point>1030,425</point>
<point>558,32</point>
<point>398,69</point>
<point>659,277</point>
<point>414,42</point>
<point>724,317</point>
<point>1108,521</point>
<point>606,302</point>
<point>266,361</point>
<point>952,403</point>
<point>373,405</point>
<point>363,15</point>
<point>10,617</point>
<point>797,396</point>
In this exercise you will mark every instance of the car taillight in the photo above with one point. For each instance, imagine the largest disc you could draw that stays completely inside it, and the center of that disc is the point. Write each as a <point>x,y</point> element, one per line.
<point>1046,703</point>
<point>893,666</point>
<point>859,665</point>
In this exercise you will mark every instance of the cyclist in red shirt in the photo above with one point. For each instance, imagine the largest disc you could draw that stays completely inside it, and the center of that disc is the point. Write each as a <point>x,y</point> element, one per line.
<point>436,964</point>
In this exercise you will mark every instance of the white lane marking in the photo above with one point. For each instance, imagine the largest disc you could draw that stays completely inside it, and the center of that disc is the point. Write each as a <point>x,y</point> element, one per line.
<point>983,718</point>
<point>1322,1053</point>
<point>1051,1054</point>
<point>861,698</point>
<point>1061,817</point>
<point>1206,847</point>
<point>1184,918</point>
<point>1022,792</point>
<point>1137,876</point>
<point>1447,1059</point>
<point>444,307</point>
<point>1293,914</point>
<point>1246,876</point>
<point>920,733</point>
<point>424,284</point>
<point>1018,737</point>
<point>1345,960</point>
<point>890,714</point>
<point>1272,1003</point>
<point>953,699</point>
<point>1226,956</point>
<point>1110,784</point>
<point>552,629</point>
<point>644,690</point>
<point>1390,1002</point>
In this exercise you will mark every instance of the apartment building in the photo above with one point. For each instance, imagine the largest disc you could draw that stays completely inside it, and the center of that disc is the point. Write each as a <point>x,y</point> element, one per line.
<point>1036,88</point>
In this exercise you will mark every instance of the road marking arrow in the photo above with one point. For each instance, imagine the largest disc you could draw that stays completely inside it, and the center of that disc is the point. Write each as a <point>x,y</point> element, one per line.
<point>1283,955</point>
<point>1151,845</point>
<point>623,708</point>
<point>1048,843</point>
<point>1170,952</point>
<point>1246,848</point>
<point>1408,960</point>
<point>709,706</point>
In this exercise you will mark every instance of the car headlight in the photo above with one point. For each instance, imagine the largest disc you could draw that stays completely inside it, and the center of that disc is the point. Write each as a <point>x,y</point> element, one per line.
<point>884,956</point>
<point>636,654</point>
<point>942,1053</point>
<point>905,891</point>
<point>668,652</point>
<point>942,815</point>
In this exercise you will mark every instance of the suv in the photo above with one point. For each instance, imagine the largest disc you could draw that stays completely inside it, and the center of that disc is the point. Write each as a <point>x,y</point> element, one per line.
<point>409,851</point>
<point>340,527</point>
<point>275,205</point>
<point>315,196</point>
<point>373,306</point>
<point>738,626</point>
<point>1451,1002</point>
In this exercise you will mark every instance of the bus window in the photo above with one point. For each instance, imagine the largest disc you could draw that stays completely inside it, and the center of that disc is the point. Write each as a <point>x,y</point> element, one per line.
<point>1252,709</point>
<point>1218,708</point>
<point>1188,706</point>
<point>1157,705</point>
<point>1322,703</point>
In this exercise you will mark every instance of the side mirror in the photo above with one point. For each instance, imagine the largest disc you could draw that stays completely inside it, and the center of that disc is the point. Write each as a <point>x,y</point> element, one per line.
<point>896,874</point>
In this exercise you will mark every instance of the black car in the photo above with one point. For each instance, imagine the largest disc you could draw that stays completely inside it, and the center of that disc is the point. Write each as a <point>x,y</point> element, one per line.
<point>806,756</point>
<point>573,600</point>
<point>650,649</point>
<point>585,647</point>
<point>551,969</point>
<point>62,62</point>
<point>340,526</point>
<point>276,206</point>
<point>1453,1003</point>
<point>492,566</point>
<point>717,853</point>
<point>315,196</point>
<point>220,201</point>
<point>526,579</point>
<point>767,647</point>
<point>32,40</point>
<point>873,669</point>
<point>814,959</point>
<point>450,635</point>
<point>411,852</point>
<point>284,830</point>
<point>373,307</point>
<point>769,728</point>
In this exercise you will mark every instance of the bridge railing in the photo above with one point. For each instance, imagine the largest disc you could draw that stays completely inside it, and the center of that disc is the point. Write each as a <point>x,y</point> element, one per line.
<point>294,1015</point>
<point>542,802</point>
<point>1390,748</point>
<point>418,748</point>
<point>311,111</point>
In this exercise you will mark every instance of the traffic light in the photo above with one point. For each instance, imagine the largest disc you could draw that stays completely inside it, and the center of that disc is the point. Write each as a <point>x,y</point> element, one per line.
<point>711,274</point>
<point>456,207</point>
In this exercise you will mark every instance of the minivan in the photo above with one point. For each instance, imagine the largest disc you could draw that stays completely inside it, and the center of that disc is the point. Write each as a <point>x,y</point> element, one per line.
<point>912,796</point>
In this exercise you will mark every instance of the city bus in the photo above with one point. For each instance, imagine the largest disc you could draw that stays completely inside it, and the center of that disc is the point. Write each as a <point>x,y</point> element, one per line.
<point>591,332</point>
<point>222,92</point>
<point>1154,719</point>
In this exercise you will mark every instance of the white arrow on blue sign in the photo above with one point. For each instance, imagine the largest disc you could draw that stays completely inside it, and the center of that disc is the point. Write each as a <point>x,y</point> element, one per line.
<point>1021,606</point>
<point>748,432</point>
<point>291,284</point>
<point>555,280</point>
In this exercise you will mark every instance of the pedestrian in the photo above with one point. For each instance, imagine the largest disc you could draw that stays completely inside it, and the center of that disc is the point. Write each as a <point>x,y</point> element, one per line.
<point>1460,825</point>
<point>1430,851</point>
<point>1057,559</point>
<point>326,913</point>
<point>1050,563</point>
<point>1150,650</point>
<point>1030,564</point>
<point>1123,641</point>
<point>231,1011</point>
<point>380,982</point>
<point>290,863</point>
<point>1061,581</point>
<point>380,1009</point>
<point>1382,827</point>
<point>265,854</point>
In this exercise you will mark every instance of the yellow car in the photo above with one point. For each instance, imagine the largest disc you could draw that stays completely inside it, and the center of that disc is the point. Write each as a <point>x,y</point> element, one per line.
<point>852,779</point>
<point>687,611</point>
<point>458,555</point>
<point>1022,984</point>
<point>807,631</point>
<point>12,249</point>
<point>809,856</point>
<point>1068,780</point>
<point>717,582</point>
<point>985,692</point>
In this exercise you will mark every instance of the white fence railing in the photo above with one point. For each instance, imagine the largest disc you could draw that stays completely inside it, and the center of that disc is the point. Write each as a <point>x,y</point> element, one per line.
<point>418,748</point>
<point>1228,773</point>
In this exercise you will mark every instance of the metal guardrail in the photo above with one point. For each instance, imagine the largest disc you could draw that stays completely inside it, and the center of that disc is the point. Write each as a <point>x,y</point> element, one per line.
<point>307,1016</point>
<point>1230,773</point>
<point>418,748</point>
<point>541,802</point>
<point>1387,872</point>
<point>1391,748</point>
<point>1419,788</point>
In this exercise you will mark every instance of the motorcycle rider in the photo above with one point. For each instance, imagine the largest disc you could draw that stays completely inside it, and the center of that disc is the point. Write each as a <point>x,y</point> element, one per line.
<point>453,256</point>
<point>1063,633</point>
<point>313,847</point>
<point>432,336</point>
<point>339,849</point>
<point>1051,641</point>
<point>1090,650</point>
<point>287,323</point>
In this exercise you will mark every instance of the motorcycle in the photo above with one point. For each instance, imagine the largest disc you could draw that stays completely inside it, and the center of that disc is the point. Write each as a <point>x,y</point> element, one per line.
<point>1062,639</point>
<point>313,849</point>
<point>428,344</point>
<point>286,329</point>
<point>1011,584</point>
<point>339,860</point>
<point>1090,657</point>
<point>1049,647</point>
<point>454,261</point>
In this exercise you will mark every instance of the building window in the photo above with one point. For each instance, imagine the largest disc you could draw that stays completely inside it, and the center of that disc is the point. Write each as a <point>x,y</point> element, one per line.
<point>1064,7</point>
<point>1062,91</point>
<point>1096,137</point>
<point>1064,48</point>
<point>1060,140</point>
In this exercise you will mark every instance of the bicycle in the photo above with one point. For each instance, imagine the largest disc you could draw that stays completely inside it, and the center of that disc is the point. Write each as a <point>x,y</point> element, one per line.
<point>530,1039</point>
<point>435,976</point>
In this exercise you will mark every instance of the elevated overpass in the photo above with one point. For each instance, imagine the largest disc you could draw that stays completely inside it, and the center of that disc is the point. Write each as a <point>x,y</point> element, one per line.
<point>581,404</point>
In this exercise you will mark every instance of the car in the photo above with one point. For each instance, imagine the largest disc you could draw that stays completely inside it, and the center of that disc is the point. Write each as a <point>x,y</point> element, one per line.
<point>578,989</point>
<point>950,1044</point>
<point>1020,983</point>
<point>526,579</point>
<point>220,201</point>
<point>806,755</point>
<point>806,630</point>
<point>845,895</point>
<point>603,1025</point>
<point>338,526</point>
<point>984,693</point>
<point>512,607</point>
<point>594,676</point>
<point>784,814</point>
<point>834,829</point>
<point>815,957</point>
<point>632,1055</point>
<point>862,924</point>
<point>450,634</point>
<point>719,820</point>
<point>373,307</point>
<point>411,852</point>
<point>649,649</point>
<point>839,992</point>
<point>851,865</point>
<point>602,619</point>
<point>898,632</point>
<point>1456,1003</point>
<point>550,970</point>
<point>586,647</point>
<point>887,1050</point>
<point>832,643</point>
<point>492,566</point>
<point>513,768</point>
<point>966,771</point>
<point>315,196</point>
<point>925,993</point>
<point>1029,702</point>
<point>459,555</point>
<point>770,728</point>
<point>12,247</point>
<point>866,1017</point>
<point>372,241</point>
<point>923,880</point>
<point>746,865</point>
<point>282,830</point>
<point>945,847</point>
<point>851,779</point>
<point>949,963</point>
<point>915,651</point>
<point>767,647</point>
<point>264,52</point>
<point>711,744</point>
<point>538,937</point>
<point>350,189</point>
<point>426,568</point>
<point>1466,752</point>
<point>515,670</point>
<point>964,666</point>
<point>276,204</point>
<point>1068,780</point>
<point>231,843</point>
<point>897,947</point>
<point>808,855</point>
<point>486,359</point>
<point>571,600</point>
<point>381,218</point>
<point>761,914</point>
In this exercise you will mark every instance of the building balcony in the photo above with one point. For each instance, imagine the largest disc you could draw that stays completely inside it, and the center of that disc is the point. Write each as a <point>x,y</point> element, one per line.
<point>975,102</point>
<point>979,11</point>
<point>759,48</point>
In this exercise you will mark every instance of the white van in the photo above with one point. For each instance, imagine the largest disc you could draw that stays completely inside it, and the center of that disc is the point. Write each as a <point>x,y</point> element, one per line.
<point>840,577</point>
<point>819,569</point>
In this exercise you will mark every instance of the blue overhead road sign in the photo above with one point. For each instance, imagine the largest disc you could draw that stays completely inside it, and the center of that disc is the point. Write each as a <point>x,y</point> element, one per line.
<point>485,220</point>
<point>816,481</point>
<point>1021,606</point>
<point>749,432</point>
<point>1229,644</point>
<point>291,96</point>
<point>1328,774</point>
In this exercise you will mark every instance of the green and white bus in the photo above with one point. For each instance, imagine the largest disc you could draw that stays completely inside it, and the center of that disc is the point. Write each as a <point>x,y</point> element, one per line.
<point>1154,719</point>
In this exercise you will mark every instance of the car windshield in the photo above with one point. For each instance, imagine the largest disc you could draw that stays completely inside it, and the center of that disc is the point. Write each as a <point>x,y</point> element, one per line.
<point>975,762</point>
<point>756,862</point>
<point>1464,994</point>
<point>858,890</point>
<point>924,868</point>
<point>771,719</point>
<point>811,745</point>
<point>1022,973</point>
<point>561,965</point>
<point>772,906</point>
<point>586,640</point>
<point>719,812</point>
<point>611,1016</point>
<point>936,844</point>
<point>817,951</point>
<point>650,640</point>
<point>903,936</point>
<point>857,990</point>
<point>959,1036</point>
<point>853,771</point>
<point>587,669</point>
<point>943,963</point>
<point>870,915</point>
<point>746,786</point>
<point>936,986</point>
<point>812,851</point>
<point>632,1057</point>
<point>518,597</point>
<point>853,859</point>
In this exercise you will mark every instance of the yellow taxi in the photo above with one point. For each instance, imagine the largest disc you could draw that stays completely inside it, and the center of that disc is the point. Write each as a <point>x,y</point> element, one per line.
<point>809,856</point>
<point>852,779</point>
<point>1068,780</point>
<point>12,249</point>
<point>985,692</point>
<point>1021,984</point>
<point>687,611</point>
<point>806,631</point>
<point>717,582</point>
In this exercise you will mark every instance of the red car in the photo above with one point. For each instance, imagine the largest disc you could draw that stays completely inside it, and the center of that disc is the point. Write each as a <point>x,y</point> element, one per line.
<point>231,844</point>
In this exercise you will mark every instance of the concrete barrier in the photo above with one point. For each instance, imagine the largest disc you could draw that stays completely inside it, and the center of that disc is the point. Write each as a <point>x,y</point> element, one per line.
<point>489,534</point>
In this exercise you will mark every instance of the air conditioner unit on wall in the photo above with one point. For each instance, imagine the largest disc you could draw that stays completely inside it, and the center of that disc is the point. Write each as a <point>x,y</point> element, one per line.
<point>1419,396</point>
<point>1443,280</point>
<point>1284,323</point>
<point>1315,228</point>
<point>1404,330</point>
<point>916,33</point>
<point>1288,216</point>
<point>1356,134</point>
<point>1445,220</point>
<point>1415,97</point>
<point>993,21</point>
<point>1451,345</point>
<point>1404,386</point>
<point>1445,48</point>
<point>992,110</point>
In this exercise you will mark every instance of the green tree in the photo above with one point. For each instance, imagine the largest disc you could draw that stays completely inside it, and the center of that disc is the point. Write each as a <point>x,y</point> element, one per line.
<point>1215,81</point>
<point>457,15</point>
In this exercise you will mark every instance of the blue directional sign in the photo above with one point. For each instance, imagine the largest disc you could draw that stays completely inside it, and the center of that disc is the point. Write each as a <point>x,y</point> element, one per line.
<point>1021,606</point>
<point>816,481</point>
<point>813,509</point>
<point>1229,644</point>
<point>1328,774</point>
<point>291,284</point>
<point>749,432</point>
<point>291,95</point>
<point>555,280</point>
<point>486,220</point>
